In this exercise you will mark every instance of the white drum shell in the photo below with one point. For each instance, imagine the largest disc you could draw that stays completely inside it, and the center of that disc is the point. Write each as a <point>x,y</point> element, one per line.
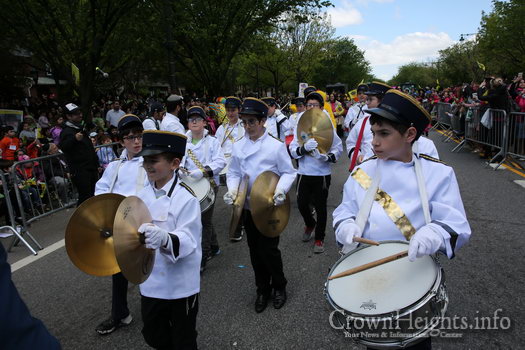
<point>203,190</point>
<point>400,305</point>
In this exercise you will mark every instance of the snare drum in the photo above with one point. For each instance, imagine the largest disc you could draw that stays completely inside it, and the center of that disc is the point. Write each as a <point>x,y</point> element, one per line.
<point>203,190</point>
<point>389,306</point>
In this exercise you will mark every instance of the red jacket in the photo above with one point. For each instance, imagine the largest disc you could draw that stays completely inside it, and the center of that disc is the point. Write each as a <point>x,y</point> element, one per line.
<point>9,147</point>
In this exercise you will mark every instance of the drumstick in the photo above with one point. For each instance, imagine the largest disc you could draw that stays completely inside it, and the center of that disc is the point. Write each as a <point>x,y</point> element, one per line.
<point>370,265</point>
<point>364,240</point>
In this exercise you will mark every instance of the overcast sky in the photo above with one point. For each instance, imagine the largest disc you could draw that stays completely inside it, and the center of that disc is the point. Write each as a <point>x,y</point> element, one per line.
<point>396,32</point>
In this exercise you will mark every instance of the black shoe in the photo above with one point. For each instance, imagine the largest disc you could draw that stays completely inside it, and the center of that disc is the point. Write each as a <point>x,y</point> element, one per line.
<point>279,298</point>
<point>110,325</point>
<point>261,302</point>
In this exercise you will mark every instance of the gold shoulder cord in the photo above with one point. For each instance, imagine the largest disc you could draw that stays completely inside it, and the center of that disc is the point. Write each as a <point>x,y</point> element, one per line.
<point>200,166</point>
<point>392,209</point>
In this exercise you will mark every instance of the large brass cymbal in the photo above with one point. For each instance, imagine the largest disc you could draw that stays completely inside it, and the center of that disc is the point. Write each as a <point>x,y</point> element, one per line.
<point>269,219</point>
<point>135,260</point>
<point>89,241</point>
<point>238,205</point>
<point>315,123</point>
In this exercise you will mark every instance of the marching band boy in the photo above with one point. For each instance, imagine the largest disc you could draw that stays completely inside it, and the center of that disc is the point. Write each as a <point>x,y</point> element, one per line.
<point>126,177</point>
<point>169,297</point>
<point>314,177</point>
<point>416,197</point>
<point>204,158</point>
<point>256,153</point>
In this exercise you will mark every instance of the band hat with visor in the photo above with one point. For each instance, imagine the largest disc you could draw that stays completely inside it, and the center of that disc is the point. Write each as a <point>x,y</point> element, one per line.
<point>129,121</point>
<point>403,109</point>
<point>196,111</point>
<point>233,102</point>
<point>255,107</point>
<point>157,142</point>
<point>377,89</point>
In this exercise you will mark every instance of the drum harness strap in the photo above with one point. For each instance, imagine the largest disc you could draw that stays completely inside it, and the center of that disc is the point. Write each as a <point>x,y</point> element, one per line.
<point>228,134</point>
<point>140,178</point>
<point>199,164</point>
<point>392,209</point>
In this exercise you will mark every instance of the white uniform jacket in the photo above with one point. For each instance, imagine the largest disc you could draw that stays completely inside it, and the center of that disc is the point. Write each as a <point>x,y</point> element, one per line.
<point>311,166</point>
<point>277,120</point>
<point>208,151</point>
<point>227,135</point>
<point>354,113</point>
<point>151,124</point>
<point>171,123</point>
<point>398,179</point>
<point>255,157</point>
<point>176,272</point>
<point>366,148</point>
<point>127,175</point>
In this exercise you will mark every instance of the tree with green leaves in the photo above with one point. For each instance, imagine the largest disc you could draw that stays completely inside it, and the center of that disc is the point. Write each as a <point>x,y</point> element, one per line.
<point>418,73</point>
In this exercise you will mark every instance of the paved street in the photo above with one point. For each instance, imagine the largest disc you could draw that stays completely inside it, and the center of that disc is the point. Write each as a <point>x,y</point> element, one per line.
<point>486,275</point>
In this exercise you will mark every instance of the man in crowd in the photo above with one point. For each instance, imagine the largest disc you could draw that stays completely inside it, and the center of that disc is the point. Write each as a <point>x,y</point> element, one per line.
<point>171,122</point>
<point>80,154</point>
<point>114,115</point>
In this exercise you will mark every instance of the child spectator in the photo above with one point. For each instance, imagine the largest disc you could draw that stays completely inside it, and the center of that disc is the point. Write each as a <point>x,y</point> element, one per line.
<point>10,144</point>
<point>105,153</point>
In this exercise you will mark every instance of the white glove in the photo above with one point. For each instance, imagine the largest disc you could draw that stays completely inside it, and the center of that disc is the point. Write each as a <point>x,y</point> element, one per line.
<point>425,241</point>
<point>279,197</point>
<point>310,145</point>
<point>318,155</point>
<point>196,174</point>
<point>154,235</point>
<point>347,232</point>
<point>229,197</point>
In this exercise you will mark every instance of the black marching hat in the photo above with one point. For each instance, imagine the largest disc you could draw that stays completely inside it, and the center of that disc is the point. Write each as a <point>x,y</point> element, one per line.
<point>255,107</point>
<point>315,96</point>
<point>362,88</point>
<point>309,90</point>
<point>129,121</point>
<point>155,107</point>
<point>233,102</point>
<point>156,142</point>
<point>270,101</point>
<point>298,100</point>
<point>377,89</point>
<point>198,111</point>
<point>402,108</point>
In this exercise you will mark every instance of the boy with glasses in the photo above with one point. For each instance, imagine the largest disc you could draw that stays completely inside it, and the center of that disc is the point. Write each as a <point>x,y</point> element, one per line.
<point>125,176</point>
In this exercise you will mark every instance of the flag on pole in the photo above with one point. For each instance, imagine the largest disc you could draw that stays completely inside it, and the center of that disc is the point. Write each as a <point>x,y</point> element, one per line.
<point>437,86</point>
<point>481,66</point>
<point>352,94</point>
<point>76,74</point>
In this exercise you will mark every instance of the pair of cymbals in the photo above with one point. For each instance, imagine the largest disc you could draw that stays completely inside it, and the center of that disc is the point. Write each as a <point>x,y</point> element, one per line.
<point>102,237</point>
<point>269,219</point>
<point>238,205</point>
<point>314,123</point>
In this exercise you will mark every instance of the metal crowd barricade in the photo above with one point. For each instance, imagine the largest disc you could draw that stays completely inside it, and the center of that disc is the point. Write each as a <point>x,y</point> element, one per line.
<point>443,121</point>
<point>12,226</point>
<point>516,135</point>
<point>42,186</point>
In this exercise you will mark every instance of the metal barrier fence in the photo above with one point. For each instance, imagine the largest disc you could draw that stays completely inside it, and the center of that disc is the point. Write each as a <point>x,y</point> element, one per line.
<point>443,113</point>
<point>516,135</point>
<point>41,187</point>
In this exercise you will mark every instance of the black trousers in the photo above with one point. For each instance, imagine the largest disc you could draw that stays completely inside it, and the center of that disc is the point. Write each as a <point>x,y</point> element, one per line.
<point>265,257</point>
<point>170,324</point>
<point>85,182</point>
<point>119,300</point>
<point>313,190</point>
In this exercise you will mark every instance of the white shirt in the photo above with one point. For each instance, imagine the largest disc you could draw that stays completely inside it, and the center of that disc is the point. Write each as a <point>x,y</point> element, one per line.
<point>128,176</point>
<point>309,165</point>
<point>398,179</point>
<point>255,157</point>
<point>426,146</point>
<point>366,148</point>
<point>172,124</point>
<point>113,116</point>
<point>271,125</point>
<point>208,151</point>
<point>151,124</point>
<point>229,134</point>
<point>354,114</point>
<point>174,277</point>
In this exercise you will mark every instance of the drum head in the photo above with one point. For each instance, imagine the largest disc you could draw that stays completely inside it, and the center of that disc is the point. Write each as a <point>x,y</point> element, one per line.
<point>383,289</point>
<point>200,187</point>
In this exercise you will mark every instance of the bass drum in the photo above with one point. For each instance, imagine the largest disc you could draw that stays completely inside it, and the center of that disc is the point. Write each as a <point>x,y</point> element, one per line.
<point>390,306</point>
<point>203,190</point>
